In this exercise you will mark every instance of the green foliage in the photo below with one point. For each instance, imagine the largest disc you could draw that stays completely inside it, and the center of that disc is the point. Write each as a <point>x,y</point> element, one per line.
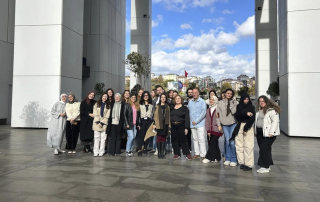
<point>99,88</point>
<point>252,90</point>
<point>192,85</point>
<point>242,90</point>
<point>273,89</point>
<point>225,86</point>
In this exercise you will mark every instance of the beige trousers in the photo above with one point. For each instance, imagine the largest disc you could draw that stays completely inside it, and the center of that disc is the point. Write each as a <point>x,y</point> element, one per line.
<point>244,147</point>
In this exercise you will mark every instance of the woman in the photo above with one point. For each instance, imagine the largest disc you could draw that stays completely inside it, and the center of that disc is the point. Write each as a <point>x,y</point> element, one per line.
<point>57,125</point>
<point>110,93</point>
<point>86,117</point>
<point>161,124</point>
<point>170,96</point>
<point>125,96</point>
<point>133,121</point>
<point>266,130</point>
<point>174,94</point>
<point>211,94</point>
<point>243,134</point>
<point>116,123</point>
<point>226,121</point>
<point>101,112</point>
<point>213,154</point>
<point>145,121</point>
<point>140,92</point>
<point>153,94</point>
<point>180,122</point>
<point>73,123</point>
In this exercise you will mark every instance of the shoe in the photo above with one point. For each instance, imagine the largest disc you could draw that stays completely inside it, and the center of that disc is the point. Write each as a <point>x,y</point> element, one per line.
<point>74,152</point>
<point>145,152</point>
<point>188,157</point>
<point>263,170</point>
<point>246,168</point>
<point>100,155</point>
<point>242,166</point>
<point>85,149</point>
<point>206,161</point>
<point>117,154</point>
<point>196,157</point>
<point>89,149</point>
<point>226,163</point>
<point>202,158</point>
<point>56,152</point>
<point>233,164</point>
<point>140,152</point>
<point>61,151</point>
<point>95,155</point>
<point>216,161</point>
<point>70,152</point>
<point>176,157</point>
<point>127,153</point>
<point>162,150</point>
<point>269,168</point>
<point>130,154</point>
<point>156,152</point>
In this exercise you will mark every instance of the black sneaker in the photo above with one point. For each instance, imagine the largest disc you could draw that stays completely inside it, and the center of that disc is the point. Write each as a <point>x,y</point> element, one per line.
<point>242,166</point>
<point>246,168</point>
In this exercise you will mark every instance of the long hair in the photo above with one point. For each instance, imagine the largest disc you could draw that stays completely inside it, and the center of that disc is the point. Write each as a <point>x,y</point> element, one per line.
<point>142,98</point>
<point>269,104</point>
<point>168,94</point>
<point>87,98</point>
<point>107,101</point>
<point>141,89</point>
<point>215,93</point>
<point>228,106</point>
<point>136,103</point>
<point>111,98</point>
<point>123,99</point>
<point>161,96</point>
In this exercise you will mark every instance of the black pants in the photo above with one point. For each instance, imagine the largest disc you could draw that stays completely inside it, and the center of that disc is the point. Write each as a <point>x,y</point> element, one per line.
<point>114,143</point>
<point>145,124</point>
<point>265,144</point>
<point>72,135</point>
<point>189,139</point>
<point>214,150</point>
<point>178,138</point>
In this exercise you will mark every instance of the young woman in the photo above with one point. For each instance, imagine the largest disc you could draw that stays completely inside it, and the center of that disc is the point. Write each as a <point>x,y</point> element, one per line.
<point>145,121</point>
<point>140,94</point>
<point>86,117</point>
<point>161,124</point>
<point>266,130</point>
<point>243,134</point>
<point>174,94</point>
<point>125,96</point>
<point>211,94</point>
<point>226,121</point>
<point>73,123</point>
<point>133,121</point>
<point>180,122</point>
<point>153,94</point>
<point>213,154</point>
<point>57,125</point>
<point>101,113</point>
<point>110,93</point>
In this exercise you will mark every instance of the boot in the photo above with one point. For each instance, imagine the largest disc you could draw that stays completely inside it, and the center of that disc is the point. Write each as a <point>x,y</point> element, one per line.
<point>85,149</point>
<point>89,149</point>
<point>159,149</point>
<point>163,149</point>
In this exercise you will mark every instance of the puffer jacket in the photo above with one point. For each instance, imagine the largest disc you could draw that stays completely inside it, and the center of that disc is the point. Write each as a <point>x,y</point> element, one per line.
<point>270,123</point>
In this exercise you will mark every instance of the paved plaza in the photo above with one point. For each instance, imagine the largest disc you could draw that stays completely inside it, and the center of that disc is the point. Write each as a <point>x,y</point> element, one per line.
<point>29,171</point>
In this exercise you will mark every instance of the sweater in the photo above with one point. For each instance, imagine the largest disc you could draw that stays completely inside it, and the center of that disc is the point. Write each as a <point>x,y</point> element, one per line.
<point>222,112</point>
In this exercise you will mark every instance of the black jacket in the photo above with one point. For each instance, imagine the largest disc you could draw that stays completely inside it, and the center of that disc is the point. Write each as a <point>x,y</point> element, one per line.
<point>86,132</point>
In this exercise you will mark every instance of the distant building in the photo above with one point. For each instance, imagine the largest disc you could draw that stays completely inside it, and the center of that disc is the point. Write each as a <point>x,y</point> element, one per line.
<point>182,79</point>
<point>127,80</point>
<point>152,75</point>
<point>173,77</point>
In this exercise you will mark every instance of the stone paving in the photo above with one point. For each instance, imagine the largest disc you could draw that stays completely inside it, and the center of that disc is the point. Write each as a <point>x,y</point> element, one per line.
<point>29,172</point>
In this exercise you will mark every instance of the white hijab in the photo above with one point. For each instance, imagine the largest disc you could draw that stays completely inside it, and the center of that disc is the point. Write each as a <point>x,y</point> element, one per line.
<point>61,98</point>
<point>214,106</point>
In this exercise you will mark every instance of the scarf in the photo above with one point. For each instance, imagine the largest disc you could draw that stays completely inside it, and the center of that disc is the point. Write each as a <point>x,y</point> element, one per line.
<point>116,110</point>
<point>214,106</point>
<point>102,106</point>
<point>74,98</point>
<point>61,98</point>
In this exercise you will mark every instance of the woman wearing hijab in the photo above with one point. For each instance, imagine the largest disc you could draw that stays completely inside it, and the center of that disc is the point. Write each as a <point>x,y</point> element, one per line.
<point>57,125</point>
<point>211,94</point>
<point>86,117</point>
<point>73,123</point>
<point>118,121</point>
<point>243,134</point>
<point>226,121</point>
<point>213,154</point>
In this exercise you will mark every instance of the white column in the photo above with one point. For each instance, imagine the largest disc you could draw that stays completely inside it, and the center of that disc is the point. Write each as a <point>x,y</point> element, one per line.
<point>47,57</point>
<point>299,44</point>
<point>141,18</point>
<point>104,43</point>
<point>7,9</point>
<point>266,45</point>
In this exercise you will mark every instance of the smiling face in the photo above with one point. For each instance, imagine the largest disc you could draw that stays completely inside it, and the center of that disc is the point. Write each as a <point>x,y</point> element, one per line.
<point>145,97</point>
<point>229,94</point>
<point>153,94</point>
<point>140,93</point>
<point>262,103</point>
<point>246,101</point>
<point>133,99</point>
<point>163,99</point>
<point>195,93</point>
<point>104,97</point>
<point>212,101</point>
<point>170,94</point>
<point>177,100</point>
<point>174,94</point>
<point>91,96</point>
<point>117,98</point>
<point>212,94</point>
<point>70,98</point>
<point>126,94</point>
<point>63,98</point>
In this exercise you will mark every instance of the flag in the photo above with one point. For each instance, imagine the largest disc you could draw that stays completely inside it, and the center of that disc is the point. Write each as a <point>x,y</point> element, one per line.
<point>185,73</point>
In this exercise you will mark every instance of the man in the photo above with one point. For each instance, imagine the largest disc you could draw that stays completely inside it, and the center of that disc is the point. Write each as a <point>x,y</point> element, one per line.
<point>189,96</point>
<point>197,107</point>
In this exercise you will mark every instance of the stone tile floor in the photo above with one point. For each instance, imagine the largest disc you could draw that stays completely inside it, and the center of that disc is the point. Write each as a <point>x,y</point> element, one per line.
<point>29,171</point>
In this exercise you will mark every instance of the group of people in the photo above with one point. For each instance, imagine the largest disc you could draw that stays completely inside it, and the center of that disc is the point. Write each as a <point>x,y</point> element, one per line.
<point>158,118</point>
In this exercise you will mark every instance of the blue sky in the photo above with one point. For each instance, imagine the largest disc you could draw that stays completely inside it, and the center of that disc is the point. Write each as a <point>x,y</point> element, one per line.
<point>205,37</point>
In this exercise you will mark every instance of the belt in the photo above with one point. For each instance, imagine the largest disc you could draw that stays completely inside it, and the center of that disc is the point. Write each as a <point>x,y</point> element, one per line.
<point>176,122</point>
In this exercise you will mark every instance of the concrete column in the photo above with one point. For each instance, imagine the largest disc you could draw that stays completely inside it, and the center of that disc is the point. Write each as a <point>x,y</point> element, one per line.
<point>104,43</point>
<point>47,58</point>
<point>266,44</point>
<point>7,9</point>
<point>141,18</point>
<point>299,44</point>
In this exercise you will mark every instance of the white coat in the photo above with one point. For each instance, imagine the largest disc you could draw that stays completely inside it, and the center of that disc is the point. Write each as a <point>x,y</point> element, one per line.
<point>270,123</point>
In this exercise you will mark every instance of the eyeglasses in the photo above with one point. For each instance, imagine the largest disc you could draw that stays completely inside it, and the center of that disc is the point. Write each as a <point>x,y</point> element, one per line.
<point>146,95</point>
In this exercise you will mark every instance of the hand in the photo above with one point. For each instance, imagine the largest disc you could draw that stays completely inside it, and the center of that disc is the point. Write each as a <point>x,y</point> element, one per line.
<point>154,127</point>
<point>128,126</point>
<point>71,121</point>
<point>62,114</point>
<point>186,131</point>
<point>249,114</point>
<point>91,115</point>
<point>209,134</point>
<point>100,125</point>
<point>244,133</point>
<point>220,128</point>
<point>194,123</point>
<point>270,135</point>
<point>138,127</point>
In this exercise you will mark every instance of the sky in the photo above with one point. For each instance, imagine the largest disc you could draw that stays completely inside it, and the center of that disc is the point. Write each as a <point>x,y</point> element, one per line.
<point>204,37</point>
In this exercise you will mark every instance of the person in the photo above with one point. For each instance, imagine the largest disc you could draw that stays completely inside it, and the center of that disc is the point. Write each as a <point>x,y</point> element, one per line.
<point>86,117</point>
<point>211,93</point>
<point>189,94</point>
<point>118,121</point>
<point>266,130</point>
<point>174,94</point>
<point>198,108</point>
<point>223,95</point>
<point>145,121</point>
<point>57,125</point>
<point>180,124</point>
<point>213,154</point>
<point>161,125</point>
<point>226,122</point>
<point>73,123</point>
<point>133,121</point>
<point>153,94</point>
<point>110,93</point>
<point>170,96</point>
<point>140,93</point>
<point>101,113</point>
<point>243,134</point>
<point>125,96</point>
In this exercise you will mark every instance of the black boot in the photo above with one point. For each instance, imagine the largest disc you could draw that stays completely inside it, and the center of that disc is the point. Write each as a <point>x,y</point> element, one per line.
<point>85,149</point>
<point>163,149</point>
<point>159,149</point>
<point>89,149</point>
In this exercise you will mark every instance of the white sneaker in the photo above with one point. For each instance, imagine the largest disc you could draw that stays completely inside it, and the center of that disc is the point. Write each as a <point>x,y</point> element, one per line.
<point>216,161</point>
<point>156,153</point>
<point>61,151</point>
<point>70,152</point>
<point>206,161</point>
<point>95,155</point>
<point>74,152</point>
<point>233,164</point>
<point>100,155</point>
<point>226,163</point>
<point>56,152</point>
<point>263,170</point>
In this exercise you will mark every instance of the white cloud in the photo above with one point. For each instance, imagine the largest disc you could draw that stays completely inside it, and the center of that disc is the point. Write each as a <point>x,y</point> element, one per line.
<point>181,5</point>
<point>247,28</point>
<point>226,11</point>
<point>217,21</point>
<point>212,9</point>
<point>128,25</point>
<point>185,26</point>
<point>157,21</point>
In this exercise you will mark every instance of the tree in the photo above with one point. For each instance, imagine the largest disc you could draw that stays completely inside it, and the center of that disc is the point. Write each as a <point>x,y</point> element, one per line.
<point>99,88</point>
<point>252,90</point>
<point>273,89</point>
<point>225,86</point>
<point>140,65</point>
<point>192,85</point>
<point>242,90</point>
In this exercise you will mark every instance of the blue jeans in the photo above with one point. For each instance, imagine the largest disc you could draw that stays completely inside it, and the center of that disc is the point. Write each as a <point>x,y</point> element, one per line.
<point>153,142</point>
<point>230,149</point>
<point>131,136</point>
